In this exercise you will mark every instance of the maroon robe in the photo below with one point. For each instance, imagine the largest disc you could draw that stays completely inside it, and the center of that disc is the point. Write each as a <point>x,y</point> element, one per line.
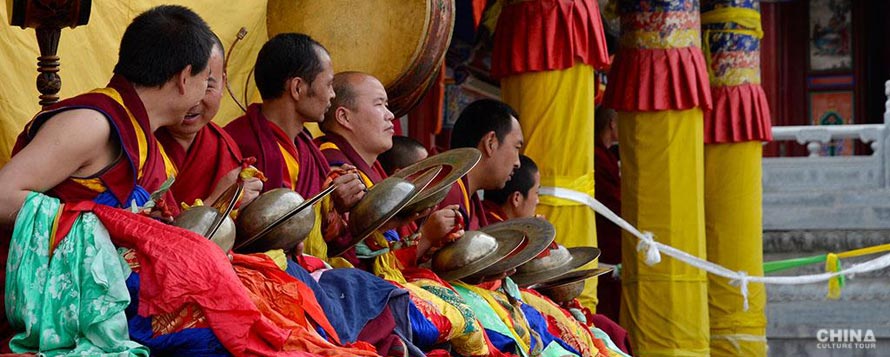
<point>337,151</point>
<point>256,136</point>
<point>133,132</point>
<point>493,212</point>
<point>608,235</point>
<point>471,207</point>
<point>211,156</point>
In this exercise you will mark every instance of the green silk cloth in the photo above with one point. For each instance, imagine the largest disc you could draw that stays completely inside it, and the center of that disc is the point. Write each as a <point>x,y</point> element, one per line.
<point>71,304</point>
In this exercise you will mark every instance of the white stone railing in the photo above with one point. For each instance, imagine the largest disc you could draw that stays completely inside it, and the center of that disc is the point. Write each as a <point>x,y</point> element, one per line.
<point>816,136</point>
<point>829,192</point>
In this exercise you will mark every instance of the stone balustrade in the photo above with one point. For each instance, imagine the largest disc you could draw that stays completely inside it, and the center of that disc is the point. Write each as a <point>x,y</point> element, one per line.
<point>829,192</point>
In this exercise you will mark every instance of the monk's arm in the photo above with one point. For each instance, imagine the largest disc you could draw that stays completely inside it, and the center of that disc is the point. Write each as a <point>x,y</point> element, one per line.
<point>72,143</point>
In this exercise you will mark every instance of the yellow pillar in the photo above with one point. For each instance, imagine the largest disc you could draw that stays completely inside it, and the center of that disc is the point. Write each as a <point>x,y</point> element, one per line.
<point>734,229</point>
<point>556,113</point>
<point>659,86</point>
<point>664,307</point>
<point>734,130</point>
<point>545,53</point>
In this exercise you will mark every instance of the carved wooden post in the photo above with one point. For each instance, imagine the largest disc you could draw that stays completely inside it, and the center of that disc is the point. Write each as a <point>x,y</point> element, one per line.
<point>48,17</point>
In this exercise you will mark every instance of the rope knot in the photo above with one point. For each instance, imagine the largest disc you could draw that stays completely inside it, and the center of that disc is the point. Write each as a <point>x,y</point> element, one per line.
<point>647,244</point>
<point>742,282</point>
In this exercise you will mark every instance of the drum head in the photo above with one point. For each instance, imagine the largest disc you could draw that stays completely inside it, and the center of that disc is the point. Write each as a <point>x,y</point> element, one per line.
<point>402,43</point>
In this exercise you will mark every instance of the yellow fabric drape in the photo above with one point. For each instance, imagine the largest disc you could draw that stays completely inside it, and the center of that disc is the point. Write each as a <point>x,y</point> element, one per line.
<point>664,307</point>
<point>734,227</point>
<point>556,112</point>
<point>88,55</point>
<point>315,244</point>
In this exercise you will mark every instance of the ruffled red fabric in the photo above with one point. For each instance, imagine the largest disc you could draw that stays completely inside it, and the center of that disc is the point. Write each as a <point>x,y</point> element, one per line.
<point>643,80</point>
<point>180,267</point>
<point>546,35</point>
<point>740,113</point>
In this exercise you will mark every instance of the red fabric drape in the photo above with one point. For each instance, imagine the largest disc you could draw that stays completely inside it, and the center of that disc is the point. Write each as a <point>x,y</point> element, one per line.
<point>212,155</point>
<point>744,115</point>
<point>658,79</point>
<point>546,35</point>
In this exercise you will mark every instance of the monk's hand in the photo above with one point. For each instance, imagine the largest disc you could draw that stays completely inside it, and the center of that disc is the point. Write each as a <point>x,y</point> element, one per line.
<point>349,190</point>
<point>252,188</point>
<point>398,221</point>
<point>229,179</point>
<point>443,226</point>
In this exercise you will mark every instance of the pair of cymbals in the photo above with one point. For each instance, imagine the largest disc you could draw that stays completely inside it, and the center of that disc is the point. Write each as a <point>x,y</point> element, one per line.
<point>493,250</point>
<point>557,263</point>
<point>453,164</point>
<point>570,285</point>
<point>381,203</point>
<point>213,222</point>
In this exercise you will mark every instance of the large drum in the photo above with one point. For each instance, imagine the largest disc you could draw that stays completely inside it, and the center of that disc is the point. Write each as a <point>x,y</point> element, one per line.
<point>401,42</point>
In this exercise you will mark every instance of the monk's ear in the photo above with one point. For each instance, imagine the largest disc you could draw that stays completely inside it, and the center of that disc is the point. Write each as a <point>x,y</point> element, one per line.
<point>488,144</point>
<point>341,114</point>
<point>182,79</point>
<point>515,199</point>
<point>295,88</point>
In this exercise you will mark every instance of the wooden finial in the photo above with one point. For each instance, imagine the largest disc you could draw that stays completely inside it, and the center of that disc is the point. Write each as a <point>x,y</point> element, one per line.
<point>48,17</point>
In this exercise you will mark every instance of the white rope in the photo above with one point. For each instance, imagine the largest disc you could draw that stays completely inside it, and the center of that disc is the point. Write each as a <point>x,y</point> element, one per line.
<point>740,279</point>
<point>647,242</point>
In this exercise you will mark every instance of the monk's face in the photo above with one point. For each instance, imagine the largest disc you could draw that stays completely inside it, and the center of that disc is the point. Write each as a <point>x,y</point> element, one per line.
<point>506,156</point>
<point>194,90</point>
<point>319,92</point>
<point>370,119</point>
<point>525,205</point>
<point>201,114</point>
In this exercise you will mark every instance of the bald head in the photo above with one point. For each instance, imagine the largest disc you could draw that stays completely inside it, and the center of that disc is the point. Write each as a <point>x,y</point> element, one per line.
<point>359,114</point>
<point>344,84</point>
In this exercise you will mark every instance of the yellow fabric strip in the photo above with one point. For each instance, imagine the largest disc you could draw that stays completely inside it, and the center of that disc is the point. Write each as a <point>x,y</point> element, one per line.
<point>315,245</point>
<point>865,251</point>
<point>94,184</point>
<point>832,265</point>
<point>328,146</point>
<point>169,167</point>
<point>665,306</point>
<point>656,40</point>
<point>556,113</point>
<point>734,229</point>
<point>745,17</point>
<point>53,237</point>
<point>140,135</point>
<point>293,166</point>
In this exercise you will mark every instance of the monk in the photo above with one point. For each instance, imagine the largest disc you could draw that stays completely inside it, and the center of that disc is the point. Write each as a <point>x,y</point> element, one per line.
<point>404,152</point>
<point>518,199</point>
<point>492,127</point>
<point>294,76</point>
<point>608,191</point>
<point>99,146</point>
<point>519,196</point>
<point>113,158</point>
<point>358,128</point>
<point>207,158</point>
